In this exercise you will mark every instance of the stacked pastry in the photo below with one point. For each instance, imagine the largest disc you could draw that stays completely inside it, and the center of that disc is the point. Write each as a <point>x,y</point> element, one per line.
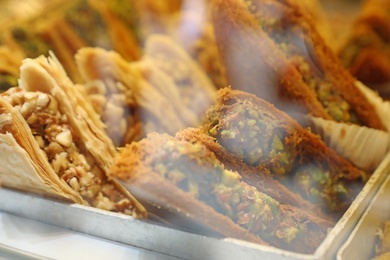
<point>54,143</point>
<point>226,163</point>
<point>365,51</point>
<point>76,24</point>
<point>279,47</point>
<point>164,92</point>
<point>251,164</point>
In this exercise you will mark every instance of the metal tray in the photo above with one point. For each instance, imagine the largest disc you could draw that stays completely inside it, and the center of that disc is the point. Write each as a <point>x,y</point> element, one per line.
<point>177,243</point>
<point>362,241</point>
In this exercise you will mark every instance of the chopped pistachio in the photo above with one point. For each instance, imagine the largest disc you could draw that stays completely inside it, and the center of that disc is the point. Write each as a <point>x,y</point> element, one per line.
<point>290,234</point>
<point>213,131</point>
<point>335,112</point>
<point>193,188</point>
<point>228,134</point>
<point>340,189</point>
<point>251,122</point>
<point>277,144</point>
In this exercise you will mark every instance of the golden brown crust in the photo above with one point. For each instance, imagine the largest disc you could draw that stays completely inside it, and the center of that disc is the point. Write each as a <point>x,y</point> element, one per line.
<point>228,122</point>
<point>27,169</point>
<point>164,172</point>
<point>257,177</point>
<point>180,208</point>
<point>265,66</point>
<point>139,97</point>
<point>163,198</point>
<point>88,151</point>
<point>336,74</point>
<point>123,39</point>
<point>47,75</point>
<point>365,52</point>
<point>263,69</point>
<point>309,145</point>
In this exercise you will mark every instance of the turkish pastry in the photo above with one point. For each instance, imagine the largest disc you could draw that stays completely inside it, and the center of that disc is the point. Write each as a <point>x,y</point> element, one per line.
<point>189,24</point>
<point>60,140</point>
<point>78,24</point>
<point>164,92</point>
<point>189,181</point>
<point>284,60</point>
<point>195,32</point>
<point>365,52</point>
<point>129,95</point>
<point>195,89</point>
<point>255,132</point>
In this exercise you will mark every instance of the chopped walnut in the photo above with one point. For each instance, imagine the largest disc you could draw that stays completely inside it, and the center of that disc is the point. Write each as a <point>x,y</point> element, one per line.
<point>42,100</point>
<point>74,183</point>
<point>66,154</point>
<point>64,138</point>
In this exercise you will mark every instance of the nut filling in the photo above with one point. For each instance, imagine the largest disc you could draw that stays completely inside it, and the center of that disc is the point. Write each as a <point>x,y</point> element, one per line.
<point>196,170</point>
<point>65,151</point>
<point>292,42</point>
<point>253,137</point>
<point>315,183</point>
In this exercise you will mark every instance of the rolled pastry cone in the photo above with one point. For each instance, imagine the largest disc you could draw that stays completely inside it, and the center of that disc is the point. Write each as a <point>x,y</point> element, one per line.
<point>163,167</point>
<point>284,52</point>
<point>254,63</point>
<point>259,177</point>
<point>255,132</point>
<point>131,94</point>
<point>85,128</point>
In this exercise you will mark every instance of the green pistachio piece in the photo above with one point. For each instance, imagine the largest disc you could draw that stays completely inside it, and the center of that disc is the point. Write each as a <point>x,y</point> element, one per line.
<point>335,112</point>
<point>279,170</point>
<point>176,176</point>
<point>252,134</point>
<point>284,158</point>
<point>256,128</point>
<point>253,114</point>
<point>161,168</point>
<point>229,178</point>
<point>290,234</point>
<point>227,134</point>
<point>320,176</point>
<point>303,180</point>
<point>315,195</point>
<point>251,122</point>
<point>235,199</point>
<point>213,131</point>
<point>277,144</point>
<point>340,189</point>
<point>193,188</point>
<point>323,94</point>
<point>254,156</point>
<point>273,204</point>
